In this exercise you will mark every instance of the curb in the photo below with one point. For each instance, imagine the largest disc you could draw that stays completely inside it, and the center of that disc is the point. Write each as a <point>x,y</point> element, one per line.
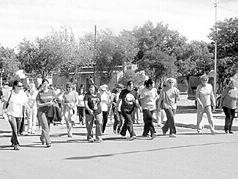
<point>193,126</point>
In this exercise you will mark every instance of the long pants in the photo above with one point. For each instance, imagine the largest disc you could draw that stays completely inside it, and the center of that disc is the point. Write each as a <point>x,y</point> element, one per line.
<point>200,112</point>
<point>230,115</point>
<point>105,118</point>
<point>15,125</point>
<point>45,125</point>
<point>31,119</point>
<point>81,114</point>
<point>117,122</point>
<point>128,123</point>
<point>169,124</point>
<point>90,119</point>
<point>68,114</point>
<point>148,122</point>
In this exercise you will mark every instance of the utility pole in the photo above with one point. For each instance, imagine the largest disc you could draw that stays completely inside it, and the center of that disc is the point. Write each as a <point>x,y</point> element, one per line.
<point>215,55</point>
<point>95,51</point>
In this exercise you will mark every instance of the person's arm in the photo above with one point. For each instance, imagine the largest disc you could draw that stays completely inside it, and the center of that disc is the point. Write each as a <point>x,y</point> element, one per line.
<point>159,101</point>
<point>223,96</point>
<point>86,105</point>
<point>213,101</point>
<point>199,102</point>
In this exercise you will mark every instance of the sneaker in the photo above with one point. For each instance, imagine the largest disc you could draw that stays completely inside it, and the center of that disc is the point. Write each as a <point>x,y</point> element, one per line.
<point>99,140</point>
<point>172,135</point>
<point>230,132</point>
<point>213,132</point>
<point>114,131</point>
<point>132,138</point>
<point>48,145</point>
<point>16,147</point>
<point>199,132</point>
<point>153,136</point>
<point>91,140</point>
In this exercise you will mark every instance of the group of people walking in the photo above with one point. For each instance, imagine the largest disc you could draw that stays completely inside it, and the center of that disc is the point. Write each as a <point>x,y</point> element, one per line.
<point>47,105</point>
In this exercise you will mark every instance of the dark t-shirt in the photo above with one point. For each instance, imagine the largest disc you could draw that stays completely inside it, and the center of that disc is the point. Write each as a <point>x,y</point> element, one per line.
<point>128,99</point>
<point>93,102</point>
<point>45,97</point>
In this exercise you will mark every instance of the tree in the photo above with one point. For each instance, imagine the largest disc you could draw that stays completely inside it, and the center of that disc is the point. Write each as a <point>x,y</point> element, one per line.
<point>137,78</point>
<point>196,59</point>
<point>9,63</point>
<point>159,48</point>
<point>108,55</point>
<point>54,52</point>
<point>227,48</point>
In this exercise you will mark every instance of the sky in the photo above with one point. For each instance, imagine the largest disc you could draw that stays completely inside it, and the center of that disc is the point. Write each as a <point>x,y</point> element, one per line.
<point>30,19</point>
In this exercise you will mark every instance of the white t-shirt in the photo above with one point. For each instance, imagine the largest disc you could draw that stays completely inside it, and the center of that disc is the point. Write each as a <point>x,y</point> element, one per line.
<point>105,100</point>
<point>81,100</point>
<point>16,103</point>
<point>148,98</point>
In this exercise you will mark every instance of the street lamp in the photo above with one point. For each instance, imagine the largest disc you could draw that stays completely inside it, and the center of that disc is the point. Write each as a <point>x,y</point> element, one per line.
<point>215,55</point>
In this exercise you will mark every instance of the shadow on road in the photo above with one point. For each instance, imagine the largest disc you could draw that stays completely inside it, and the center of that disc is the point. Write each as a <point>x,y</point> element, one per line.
<point>144,151</point>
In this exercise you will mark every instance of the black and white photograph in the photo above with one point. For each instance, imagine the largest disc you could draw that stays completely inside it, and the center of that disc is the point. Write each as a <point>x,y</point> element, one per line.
<point>113,89</point>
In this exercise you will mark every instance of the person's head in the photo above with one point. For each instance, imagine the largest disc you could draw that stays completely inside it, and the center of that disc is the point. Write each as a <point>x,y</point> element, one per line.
<point>31,85</point>
<point>103,88</point>
<point>129,86</point>
<point>119,87</point>
<point>17,86</point>
<point>92,89</point>
<point>81,90</point>
<point>231,83</point>
<point>45,84</point>
<point>149,84</point>
<point>204,79</point>
<point>170,82</point>
<point>69,86</point>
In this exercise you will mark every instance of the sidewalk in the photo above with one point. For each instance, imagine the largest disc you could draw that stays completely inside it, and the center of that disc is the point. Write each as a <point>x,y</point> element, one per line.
<point>189,120</point>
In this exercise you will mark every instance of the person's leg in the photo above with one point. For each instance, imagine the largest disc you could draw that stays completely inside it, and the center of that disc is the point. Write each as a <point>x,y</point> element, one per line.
<point>29,120</point>
<point>45,135</point>
<point>200,112</point>
<point>98,123</point>
<point>231,120</point>
<point>105,116</point>
<point>18,121</point>
<point>170,119</point>
<point>227,113</point>
<point>167,123</point>
<point>208,110</point>
<point>34,119</point>
<point>13,124</point>
<point>116,122</point>
<point>89,126</point>
<point>121,121</point>
<point>129,126</point>
<point>150,123</point>
<point>146,122</point>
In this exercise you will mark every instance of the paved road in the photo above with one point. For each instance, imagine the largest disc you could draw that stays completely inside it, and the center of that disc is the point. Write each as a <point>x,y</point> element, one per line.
<point>187,156</point>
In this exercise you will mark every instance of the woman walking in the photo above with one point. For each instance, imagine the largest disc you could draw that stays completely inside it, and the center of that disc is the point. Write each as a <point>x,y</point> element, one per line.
<point>31,109</point>
<point>14,107</point>
<point>81,106</point>
<point>45,100</point>
<point>228,103</point>
<point>105,103</point>
<point>205,101</point>
<point>70,100</point>
<point>93,114</point>
<point>167,101</point>
<point>148,97</point>
<point>129,102</point>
